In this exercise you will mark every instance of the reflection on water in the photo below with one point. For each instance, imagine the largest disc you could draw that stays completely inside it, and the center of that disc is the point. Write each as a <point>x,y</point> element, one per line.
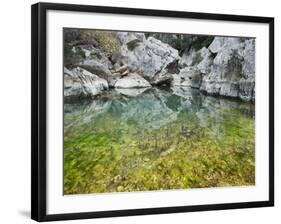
<point>151,139</point>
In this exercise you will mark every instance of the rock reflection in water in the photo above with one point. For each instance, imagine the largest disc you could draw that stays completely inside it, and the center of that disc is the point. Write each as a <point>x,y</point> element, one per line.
<point>154,107</point>
<point>118,140</point>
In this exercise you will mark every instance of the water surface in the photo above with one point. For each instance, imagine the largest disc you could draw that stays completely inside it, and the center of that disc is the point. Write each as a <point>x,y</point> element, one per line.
<point>157,139</point>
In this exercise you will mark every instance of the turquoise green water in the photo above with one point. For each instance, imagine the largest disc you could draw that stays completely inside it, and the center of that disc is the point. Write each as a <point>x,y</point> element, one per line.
<point>157,139</point>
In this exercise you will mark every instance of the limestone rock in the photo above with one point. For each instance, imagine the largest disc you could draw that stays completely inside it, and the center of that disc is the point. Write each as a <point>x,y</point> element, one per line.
<point>232,71</point>
<point>146,56</point>
<point>100,70</point>
<point>188,76</point>
<point>80,83</point>
<point>132,80</point>
<point>186,59</point>
<point>204,65</point>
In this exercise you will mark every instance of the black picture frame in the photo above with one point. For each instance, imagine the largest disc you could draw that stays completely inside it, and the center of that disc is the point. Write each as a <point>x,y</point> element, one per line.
<point>38,108</point>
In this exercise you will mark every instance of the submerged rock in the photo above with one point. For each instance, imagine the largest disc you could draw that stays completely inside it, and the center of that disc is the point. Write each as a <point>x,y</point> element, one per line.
<point>79,83</point>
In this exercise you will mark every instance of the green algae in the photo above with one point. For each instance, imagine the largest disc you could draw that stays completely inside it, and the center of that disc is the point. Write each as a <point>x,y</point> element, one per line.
<point>158,141</point>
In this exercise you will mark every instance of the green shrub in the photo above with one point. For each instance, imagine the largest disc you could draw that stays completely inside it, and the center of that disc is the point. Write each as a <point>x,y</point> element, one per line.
<point>107,41</point>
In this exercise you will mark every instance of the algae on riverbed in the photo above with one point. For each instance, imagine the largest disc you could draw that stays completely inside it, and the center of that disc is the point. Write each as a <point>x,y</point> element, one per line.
<point>158,140</point>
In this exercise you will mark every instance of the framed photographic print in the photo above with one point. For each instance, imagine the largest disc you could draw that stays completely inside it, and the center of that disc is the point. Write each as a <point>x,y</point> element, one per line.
<point>139,111</point>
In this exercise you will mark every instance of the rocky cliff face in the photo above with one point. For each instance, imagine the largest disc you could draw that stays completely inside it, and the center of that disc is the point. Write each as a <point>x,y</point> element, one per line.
<point>232,71</point>
<point>221,66</point>
<point>225,68</point>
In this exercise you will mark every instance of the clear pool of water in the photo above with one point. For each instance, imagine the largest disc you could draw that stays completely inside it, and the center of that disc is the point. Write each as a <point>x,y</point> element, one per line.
<point>157,139</point>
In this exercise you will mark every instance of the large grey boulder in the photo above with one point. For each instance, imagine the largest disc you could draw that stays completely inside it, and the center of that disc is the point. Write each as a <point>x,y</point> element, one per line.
<point>148,57</point>
<point>100,70</point>
<point>132,80</point>
<point>80,83</point>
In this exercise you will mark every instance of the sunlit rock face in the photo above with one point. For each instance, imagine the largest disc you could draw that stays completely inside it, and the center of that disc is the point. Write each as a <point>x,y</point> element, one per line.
<point>148,57</point>
<point>100,70</point>
<point>225,68</point>
<point>80,83</point>
<point>233,69</point>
